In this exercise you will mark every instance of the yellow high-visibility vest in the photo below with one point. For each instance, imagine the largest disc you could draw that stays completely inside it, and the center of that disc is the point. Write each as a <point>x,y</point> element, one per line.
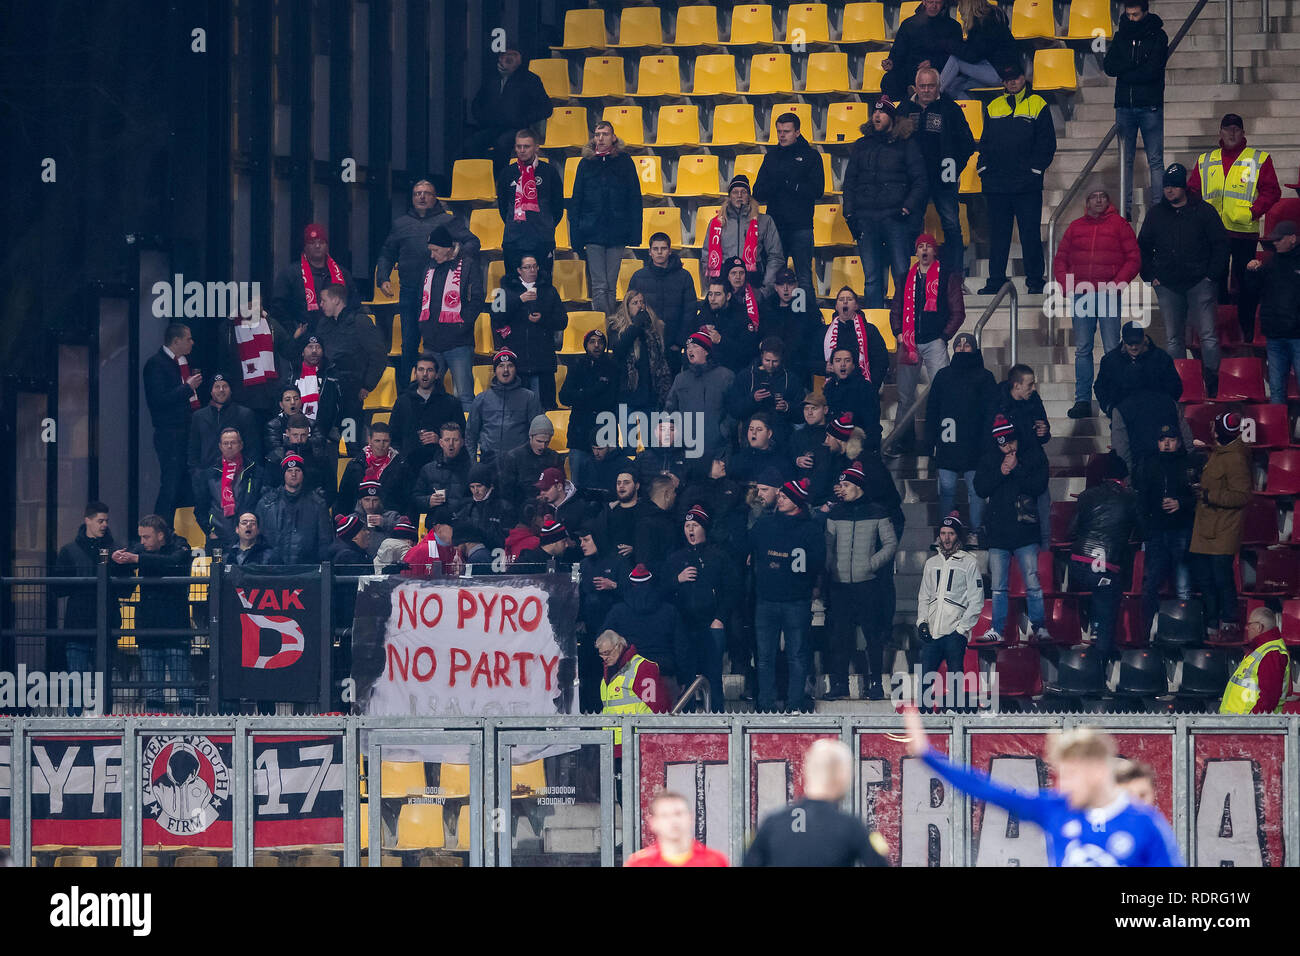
<point>618,696</point>
<point>1231,195</point>
<point>1243,687</point>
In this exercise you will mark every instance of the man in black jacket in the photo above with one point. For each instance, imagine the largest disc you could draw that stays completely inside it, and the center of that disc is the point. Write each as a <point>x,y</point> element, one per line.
<point>318,454</point>
<point>207,424</point>
<point>947,144</point>
<point>170,390</point>
<point>605,212</point>
<point>532,317</point>
<point>1136,58</point>
<point>419,414</point>
<point>1167,496</point>
<point>226,490</point>
<point>669,293</point>
<point>884,198</point>
<point>1279,306</point>
<point>1102,527</point>
<point>520,467</point>
<point>318,393</point>
<point>294,519</point>
<point>379,461</point>
<point>511,100</point>
<point>590,389</point>
<point>601,584</point>
<point>656,526</point>
<point>407,248</point>
<point>958,406</point>
<point>790,181</point>
<point>847,391</point>
<point>80,559</point>
<point>250,547</point>
<point>485,509</point>
<point>296,296</point>
<point>1017,398</point>
<point>1137,365</point>
<point>926,38</point>
<point>353,346</point>
<point>702,583</point>
<point>442,486</point>
<point>791,315</point>
<point>530,198</point>
<point>768,386</point>
<point>1185,256</point>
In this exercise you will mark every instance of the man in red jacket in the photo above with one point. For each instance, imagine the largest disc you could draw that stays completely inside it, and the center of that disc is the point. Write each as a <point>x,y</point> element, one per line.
<point>433,557</point>
<point>1242,186</point>
<point>1097,258</point>
<point>1264,673</point>
<point>672,821</point>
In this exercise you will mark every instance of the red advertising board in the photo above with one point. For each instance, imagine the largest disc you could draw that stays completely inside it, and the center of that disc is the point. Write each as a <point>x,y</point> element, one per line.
<point>1238,799</point>
<point>1015,760</point>
<point>904,801</point>
<point>1157,752</point>
<point>776,770</point>
<point>694,765</point>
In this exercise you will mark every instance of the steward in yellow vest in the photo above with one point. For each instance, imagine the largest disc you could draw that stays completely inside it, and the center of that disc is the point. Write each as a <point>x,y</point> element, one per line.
<point>1260,683</point>
<point>630,683</point>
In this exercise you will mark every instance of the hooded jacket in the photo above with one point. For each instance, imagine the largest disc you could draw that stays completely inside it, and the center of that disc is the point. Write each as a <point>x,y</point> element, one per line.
<point>1268,192</point>
<point>1225,492</point>
<point>590,387</point>
<point>442,336</point>
<point>296,525</point>
<point>1018,143</point>
<point>789,182</point>
<point>958,409</point>
<point>1100,249</point>
<point>670,293</point>
<point>951,597</point>
<point>1136,58</point>
<point>885,175</point>
<point>645,619</point>
<point>413,413</point>
<point>1278,281</point>
<point>532,342</point>
<point>499,419</point>
<point>781,575</point>
<point>859,544</point>
<point>605,209</point>
<point>944,135</point>
<point>356,350</point>
<point>713,593</point>
<point>407,245</point>
<point>537,229</point>
<point>1011,518</point>
<point>1181,245</point>
<point>1120,375</point>
<point>770,257</point>
<point>511,102</point>
<point>701,390</point>
<point>1103,524</point>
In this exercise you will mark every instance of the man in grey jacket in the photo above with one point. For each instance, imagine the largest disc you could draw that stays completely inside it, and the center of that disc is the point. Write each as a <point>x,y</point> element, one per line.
<point>950,601</point>
<point>500,417</point>
<point>407,247</point>
<point>728,237</point>
<point>700,389</point>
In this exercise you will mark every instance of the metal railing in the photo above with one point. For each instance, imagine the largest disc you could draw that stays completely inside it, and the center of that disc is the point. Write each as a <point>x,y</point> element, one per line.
<point>699,689</point>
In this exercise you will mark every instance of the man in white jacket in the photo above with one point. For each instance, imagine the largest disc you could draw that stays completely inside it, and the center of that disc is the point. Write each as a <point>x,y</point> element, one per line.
<point>949,602</point>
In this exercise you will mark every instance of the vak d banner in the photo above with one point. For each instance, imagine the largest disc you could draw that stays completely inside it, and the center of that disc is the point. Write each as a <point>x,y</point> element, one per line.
<point>271,635</point>
<point>496,646</point>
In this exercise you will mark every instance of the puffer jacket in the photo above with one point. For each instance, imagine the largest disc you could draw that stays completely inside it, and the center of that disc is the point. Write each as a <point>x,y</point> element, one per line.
<point>1225,492</point>
<point>943,134</point>
<point>1103,524</point>
<point>712,594</point>
<point>451,475</point>
<point>407,245</point>
<point>1100,249</point>
<point>669,293</point>
<point>789,182</point>
<point>296,525</point>
<point>442,336</point>
<point>1136,58</point>
<point>952,595</point>
<point>499,419</point>
<point>885,175</point>
<point>1120,375</point>
<point>740,397</point>
<point>770,257</point>
<point>957,409</point>
<point>702,390</point>
<point>532,342</point>
<point>1018,143</point>
<point>605,209</point>
<point>1181,245</point>
<point>857,545</point>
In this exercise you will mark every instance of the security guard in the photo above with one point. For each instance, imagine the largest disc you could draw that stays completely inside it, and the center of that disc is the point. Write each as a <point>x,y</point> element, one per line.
<point>1240,183</point>
<point>1260,683</point>
<point>630,684</point>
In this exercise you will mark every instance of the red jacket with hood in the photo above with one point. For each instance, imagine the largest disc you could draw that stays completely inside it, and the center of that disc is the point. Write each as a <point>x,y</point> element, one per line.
<point>1103,249</point>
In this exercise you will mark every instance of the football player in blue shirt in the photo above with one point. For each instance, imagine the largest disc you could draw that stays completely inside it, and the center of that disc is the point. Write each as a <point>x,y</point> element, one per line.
<point>1089,821</point>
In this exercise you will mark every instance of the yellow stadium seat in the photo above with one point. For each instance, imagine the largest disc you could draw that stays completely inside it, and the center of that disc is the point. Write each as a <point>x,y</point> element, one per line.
<point>829,227</point>
<point>733,125</point>
<point>484,343</point>
<point>714,73</point>
<point>828,173</point>
<point>472,181</point>
<point>570,279</point>
<point>196,860</point>
<point>703,215</point>
<point>463,834</point>
<point>698,175</point>
<point>828,316</point>
<point>603,76</point>
<point>495,273</point>
<point>395,348</point>
<point>200,567</point>
<point>385,393</point>
<point>626,269</point>
<point>267,859</point>
<point>580,323</point>
<point>560,443</point>
<point>318,859</point>
<point>628,122</point>
<point>747,164</point>
<point>482,382</point>
<point>453,780</point>
<point>380,298</point>
<point>844,122</point>
<point>864,23</point>
<point>1054,70</point>
<point>827,73</point>
<point>419,827</point>
<point>583,30</point>
<point>807,23</point>
<point>554,75</point>
<point>696,26</point>
<point>1089,19</point>
<point>570,175</point>
<point>880,319</point>
<point>77,860</point>
<point>872,71</point>
<point>402,778</point>
<point>649,170</point>
<point>846,271</point>
<point>562,234</point>
<point>935,228</point>
<point>365,819</point>
<point>661,219</point>
<point>678,125</point>
<point>567,127</point>
<point>183,524</point>
<point>770,73</point>
<point>801,110</point>
<point>487,225</point>
<point>639,27</point>
<point>750,24</point>
<point>658,76</point>
<point>973,110</point>
<point>561,373</point>
<point>385,859</point>
<point>692,267</point>
<point>970,179</point>
<point>1033,18</point>
<point>526,779</point>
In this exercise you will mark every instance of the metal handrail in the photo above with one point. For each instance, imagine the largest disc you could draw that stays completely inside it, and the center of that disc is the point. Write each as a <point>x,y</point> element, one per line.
<point>698,688</point>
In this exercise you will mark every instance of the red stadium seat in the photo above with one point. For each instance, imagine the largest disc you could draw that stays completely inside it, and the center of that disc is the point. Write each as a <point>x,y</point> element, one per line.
<point>1259,526</point>
<point>1190,371</point>
<point>1047,579</point>
<point>1283,473</point>
<point>1139,568</point>
<point>1200,419</point>
<point>1293,388</point>
<point>1277,571</point>
<point>1061,613</point>
<point>1062,514</point>
<point>1272,425</point>
<point>982,632</point>
<point>1291,622</point>
<point>1241,380</point>
<point>1019,671</point>
<point>1229,329</point>
<point>1129,632</point>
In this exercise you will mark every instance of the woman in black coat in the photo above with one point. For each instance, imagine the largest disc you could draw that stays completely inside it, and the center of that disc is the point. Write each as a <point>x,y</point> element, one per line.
<point>528,324</point>
<point>605,212</point>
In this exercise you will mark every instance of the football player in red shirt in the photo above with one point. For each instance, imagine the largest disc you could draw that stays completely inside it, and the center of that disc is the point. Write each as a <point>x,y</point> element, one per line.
<point>672,823</point>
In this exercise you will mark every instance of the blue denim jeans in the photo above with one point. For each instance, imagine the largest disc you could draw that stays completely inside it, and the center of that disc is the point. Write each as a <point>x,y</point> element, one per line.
<point>771,619</point>
<point>948,205</point>
<point>461,362</point>
<point>1085,333</point>
<point>1151,121</point>
<point>161,659</point>
<point>948,495</point>
<point>959,76</point>
<point>1000,572</point>
<point>1283,357</point>
<point>1166,553</point>
<point>885,244</point>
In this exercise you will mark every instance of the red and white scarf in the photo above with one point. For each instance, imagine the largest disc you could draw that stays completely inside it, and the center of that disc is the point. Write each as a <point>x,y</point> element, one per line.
<point>907,353</point>
<point>256,351</point>
<point>833,339</point>
<point>230,470</point>
<point>375,466</point>
<point>450,312</point>
<point>309,281</point>
<point>183,364</point>
<point>526,192</point>
<point>748,255</point>
<point>309,388</point>
<point>751,306</point>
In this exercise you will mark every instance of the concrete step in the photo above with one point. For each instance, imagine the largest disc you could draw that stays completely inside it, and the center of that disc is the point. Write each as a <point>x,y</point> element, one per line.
<point>1104,112</point>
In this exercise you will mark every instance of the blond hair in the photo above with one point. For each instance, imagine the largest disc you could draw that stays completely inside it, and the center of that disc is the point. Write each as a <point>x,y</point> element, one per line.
<point>1126,771</point>
<point>1081,743</point>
